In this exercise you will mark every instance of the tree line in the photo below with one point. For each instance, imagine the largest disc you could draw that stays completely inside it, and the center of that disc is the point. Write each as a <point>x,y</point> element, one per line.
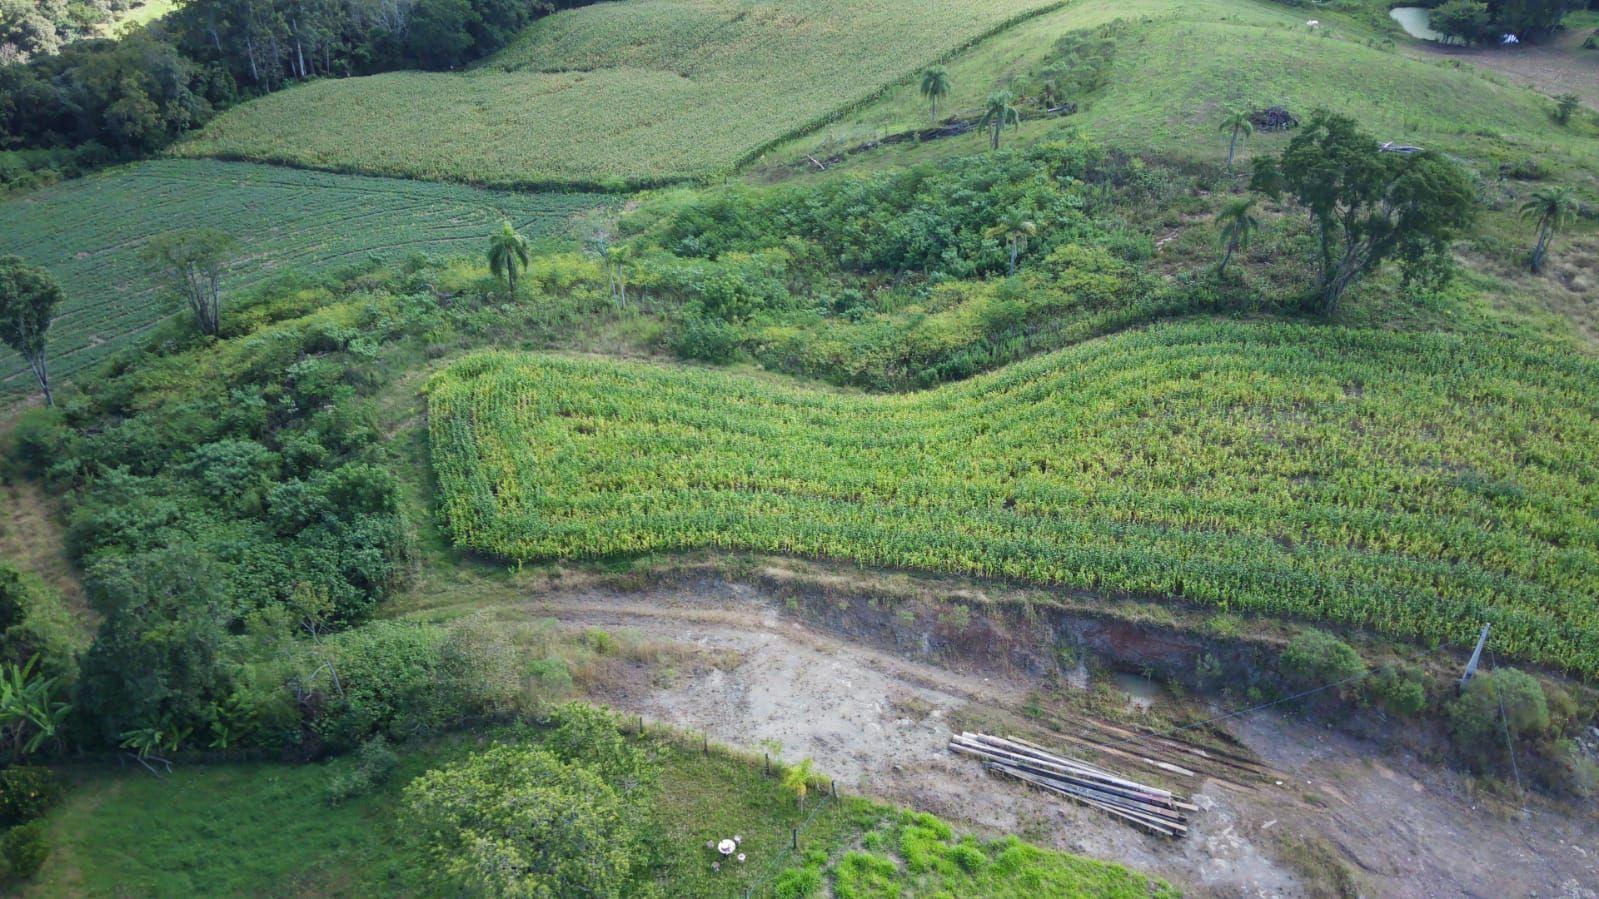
<point>1482,21</point>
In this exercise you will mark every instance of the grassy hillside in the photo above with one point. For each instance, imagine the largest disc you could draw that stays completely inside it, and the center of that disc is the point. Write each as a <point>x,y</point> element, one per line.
<point>1177,65</point>
<point>648,91</point>
<point>1415,484</point>
<point>88,233</point>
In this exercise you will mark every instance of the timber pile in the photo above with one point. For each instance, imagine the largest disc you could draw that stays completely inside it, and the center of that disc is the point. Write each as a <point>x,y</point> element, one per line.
<point>1153,809</point>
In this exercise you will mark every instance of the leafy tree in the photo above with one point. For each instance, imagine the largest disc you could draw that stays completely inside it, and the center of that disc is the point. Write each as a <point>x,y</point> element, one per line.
<point>192,262</point>
<point>508,254</point>
<point>1001,111</point>
<point>1015,226</point>
<point>1237,122</point>
<point>1529,19</point>
<point>797,780</point>
<point>935,86</point>
<point>1368,206</point>
<point>1565,105</point>
<point>1466,21</point>
<point>1552,208</point>
<point>517,821</point>
<point>28,299</point>
<point>1238,224</point>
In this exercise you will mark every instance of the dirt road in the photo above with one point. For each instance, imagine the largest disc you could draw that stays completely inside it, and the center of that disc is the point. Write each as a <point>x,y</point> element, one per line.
<point>880,723</point>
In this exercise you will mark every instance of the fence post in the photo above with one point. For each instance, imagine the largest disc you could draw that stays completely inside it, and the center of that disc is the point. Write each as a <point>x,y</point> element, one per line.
<point>768,768</point>
<point>796,839</point>
<point>835,787</point>
<point>705,744</point>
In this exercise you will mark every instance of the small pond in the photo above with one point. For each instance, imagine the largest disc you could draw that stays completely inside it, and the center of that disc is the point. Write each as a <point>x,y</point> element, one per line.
<point>1416,21</point>
<point>1141,692</point>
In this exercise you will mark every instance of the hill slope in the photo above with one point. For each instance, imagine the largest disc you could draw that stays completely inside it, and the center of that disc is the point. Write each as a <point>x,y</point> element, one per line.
<point>638,92</point>
<point>1417,484</point>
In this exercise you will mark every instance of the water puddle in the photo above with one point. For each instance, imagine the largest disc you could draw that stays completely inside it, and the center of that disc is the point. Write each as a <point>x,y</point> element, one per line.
<point>1416,21</point>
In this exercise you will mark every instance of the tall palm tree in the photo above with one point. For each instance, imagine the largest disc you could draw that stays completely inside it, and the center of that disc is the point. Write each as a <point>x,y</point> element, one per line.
<point>1553,208</point>
<point>935,85</point>
<point>1015,227</point>
<point>1238,225</point>
<point>1001,111</point>
<point>508,254</point>
<point>1237,121</point>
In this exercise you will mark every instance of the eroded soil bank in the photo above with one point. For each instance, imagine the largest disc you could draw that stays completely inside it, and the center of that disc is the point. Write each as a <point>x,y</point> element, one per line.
<point>1290,807</point>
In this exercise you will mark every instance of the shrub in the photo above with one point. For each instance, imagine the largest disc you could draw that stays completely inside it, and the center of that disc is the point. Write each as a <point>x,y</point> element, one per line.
<point>26,792</point>
<point>707,339</point>
<point>400,680</point>
<point>589,735</point>
<point>1316,658</point>
<point>373,765</point>
<point>1399,689</point>
<point>23,850</point>
<point>1474,716</point>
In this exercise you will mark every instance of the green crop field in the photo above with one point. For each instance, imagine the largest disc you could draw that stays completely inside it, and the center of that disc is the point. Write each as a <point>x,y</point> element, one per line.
<point>1418,484</point>
<point>88,232</point>
<point>640,92</point>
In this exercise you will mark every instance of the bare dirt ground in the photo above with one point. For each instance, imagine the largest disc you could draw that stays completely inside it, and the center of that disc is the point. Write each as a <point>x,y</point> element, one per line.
<point>1561,66</point>
<point>747,672</point>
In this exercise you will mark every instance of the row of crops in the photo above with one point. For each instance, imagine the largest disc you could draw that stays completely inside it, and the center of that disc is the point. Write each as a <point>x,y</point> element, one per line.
<point>1417,484</point>
<point>636,93</point>
<point>88,233</point>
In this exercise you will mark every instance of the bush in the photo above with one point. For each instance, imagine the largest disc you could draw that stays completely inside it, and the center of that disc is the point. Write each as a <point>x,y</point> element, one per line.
<point>23,850</point>
<point>373,765</point>
<point>38,440</point>
<point>1475,722</point>
<point>1316,658</point>
<point>704,338</point>
<point>589,735</point>
<point>1399,689</point>
<point>26,792</point>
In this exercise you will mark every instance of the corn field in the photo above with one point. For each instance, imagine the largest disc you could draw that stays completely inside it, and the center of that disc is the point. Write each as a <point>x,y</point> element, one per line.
<point>1416,484</point>
<point>637,93</point>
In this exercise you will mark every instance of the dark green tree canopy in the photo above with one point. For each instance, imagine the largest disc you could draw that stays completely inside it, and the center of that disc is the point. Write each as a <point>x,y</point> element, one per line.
<point>1369,204</point>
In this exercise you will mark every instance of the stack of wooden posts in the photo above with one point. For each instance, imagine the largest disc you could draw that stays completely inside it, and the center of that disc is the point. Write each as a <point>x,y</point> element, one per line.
<point>1151,808</point>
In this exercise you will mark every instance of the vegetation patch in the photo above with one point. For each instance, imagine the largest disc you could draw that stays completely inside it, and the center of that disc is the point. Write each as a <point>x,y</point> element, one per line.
<point>1415,484</point>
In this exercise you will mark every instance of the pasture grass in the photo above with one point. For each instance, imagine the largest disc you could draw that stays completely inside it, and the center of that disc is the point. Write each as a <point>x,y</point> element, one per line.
<point>88,233</point>
<point>614,94</point>
<point>264,828</point>
<point>1413,484</point>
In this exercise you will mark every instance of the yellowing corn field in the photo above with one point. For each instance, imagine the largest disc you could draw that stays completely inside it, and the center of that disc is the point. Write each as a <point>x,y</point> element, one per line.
<point>616,93</point>
<point>1418,484</point>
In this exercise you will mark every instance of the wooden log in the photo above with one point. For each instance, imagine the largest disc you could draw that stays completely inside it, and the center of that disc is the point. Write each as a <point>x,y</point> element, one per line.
<point>1097,789</point>
<point>1064,766</point>
<point>1144,821</point>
